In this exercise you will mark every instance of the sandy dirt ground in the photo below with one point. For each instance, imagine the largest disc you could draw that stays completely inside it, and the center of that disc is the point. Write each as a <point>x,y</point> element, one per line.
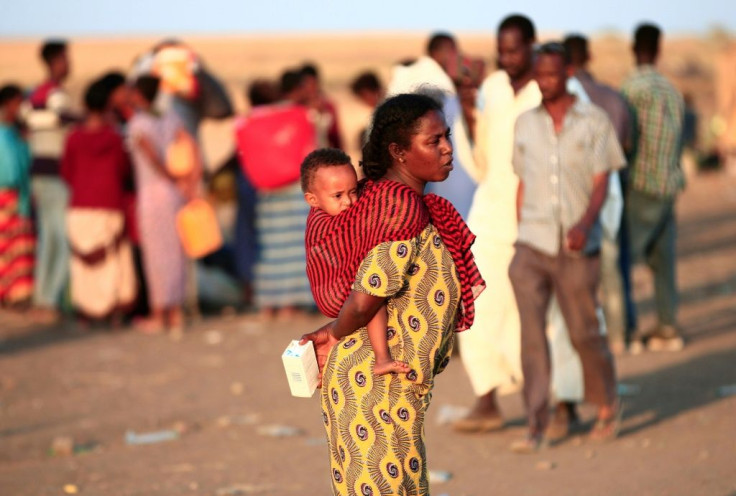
<point>222,389</point>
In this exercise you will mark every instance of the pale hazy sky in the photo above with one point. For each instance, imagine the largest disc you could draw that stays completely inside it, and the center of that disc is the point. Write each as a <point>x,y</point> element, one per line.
<point>37,18</point>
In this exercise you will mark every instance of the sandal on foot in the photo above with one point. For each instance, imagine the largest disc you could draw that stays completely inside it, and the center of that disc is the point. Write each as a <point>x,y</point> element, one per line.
<point>529,444</point>
<point>608,429</point>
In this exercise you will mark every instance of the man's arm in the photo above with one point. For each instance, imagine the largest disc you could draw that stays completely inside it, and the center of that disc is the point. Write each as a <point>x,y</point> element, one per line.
<point>519,200</point>
<point>577,236</point>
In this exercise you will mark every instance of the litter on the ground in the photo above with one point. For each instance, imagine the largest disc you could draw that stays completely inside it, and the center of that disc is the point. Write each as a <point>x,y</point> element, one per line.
<point>213,338</point>
<point>279,431</point>
<point>449,414</point>
<point>316,441</point>
<point>132,438</point>
<point>439,476</point>
<point>545,465</point>
<point>241,489</point>
<point>628,389</point>
<point>62,446</point>
<point>728,390</point>
<point>228,420</point>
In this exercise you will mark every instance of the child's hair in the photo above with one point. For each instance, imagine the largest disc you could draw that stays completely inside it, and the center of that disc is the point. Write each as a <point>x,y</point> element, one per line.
<point>324,157</point>
<point>52,49</point>
<point>95,98</point>
<point>8,92</point>
<point>147,86</point>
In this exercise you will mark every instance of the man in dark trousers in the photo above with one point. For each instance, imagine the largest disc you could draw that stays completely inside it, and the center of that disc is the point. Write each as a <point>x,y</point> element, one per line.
<point>564,151</point>
<point>654,182</point>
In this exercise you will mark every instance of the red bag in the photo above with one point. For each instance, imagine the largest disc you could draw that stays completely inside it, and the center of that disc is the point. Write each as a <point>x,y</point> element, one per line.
<point>272,141</point>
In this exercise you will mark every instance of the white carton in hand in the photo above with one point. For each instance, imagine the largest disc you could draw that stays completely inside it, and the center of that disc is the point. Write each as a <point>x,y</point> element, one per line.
<point>300,364</point>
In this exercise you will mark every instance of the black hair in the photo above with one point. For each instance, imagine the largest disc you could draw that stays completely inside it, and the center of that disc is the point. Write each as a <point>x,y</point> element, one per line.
<point>324,157</point>
<point>646,38</point>
<point>554,48</point>
<point>8,92</point>
<point>576,46</point>
<point>147,86</point>
<point>310,69</point>
<point>112,81</point>
<point>95,97</point>
<point>290,80</point>
<point>365,81</point>
<point>52,49</point>
<point>262,92</point>
<point>438,40</point>
<point>522,23</point>
<point>394,121</point>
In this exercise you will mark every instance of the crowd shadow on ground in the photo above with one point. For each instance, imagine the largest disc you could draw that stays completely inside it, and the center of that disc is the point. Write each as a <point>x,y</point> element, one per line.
<point>34,336</point>
<point>671,391</point>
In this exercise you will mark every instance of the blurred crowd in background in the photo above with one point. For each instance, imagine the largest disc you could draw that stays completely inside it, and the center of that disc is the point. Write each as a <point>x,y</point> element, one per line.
<point>107,215</point>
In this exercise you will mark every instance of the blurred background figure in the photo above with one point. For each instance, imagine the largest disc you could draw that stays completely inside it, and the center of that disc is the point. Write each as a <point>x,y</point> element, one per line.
<point>654,182</point>
<point>491,352</point>
<point>160,196</point>
<point>272,140</point>
<point>433,74</point>
<point>328,127</point>
<point>95,166</point>
<point>616,290</point>
<point>367,88</point>
<point>726,110</point>
<point>259,93</point>
<point>17,241</point>
<point>48,117</point>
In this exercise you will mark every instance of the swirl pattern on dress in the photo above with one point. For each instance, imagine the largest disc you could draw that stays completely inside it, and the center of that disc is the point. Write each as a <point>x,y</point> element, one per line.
<point>437,241</point>
<point>414,464</point>
<point>375,281</point>
<point>361,432</point>
<point>385,416</point>
<point>412,375</point>
<point>337,475</point>
<point>392,470</point>
<point>366,490</point>
<point>403,414</point>
<point>335,397</point>
<point>360,379</point>
<point>414,323</point>
<point>390,333</point>
<point>439,297</point>
<point>402,250</point>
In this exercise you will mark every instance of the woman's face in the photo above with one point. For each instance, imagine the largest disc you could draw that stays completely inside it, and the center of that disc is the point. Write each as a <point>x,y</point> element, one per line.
<point>429,155</point>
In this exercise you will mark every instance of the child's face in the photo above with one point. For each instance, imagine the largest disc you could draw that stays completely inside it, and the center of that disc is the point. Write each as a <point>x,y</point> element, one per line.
<point>334,188</point>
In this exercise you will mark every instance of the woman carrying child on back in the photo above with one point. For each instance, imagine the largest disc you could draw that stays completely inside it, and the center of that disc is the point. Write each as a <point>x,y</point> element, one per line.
<point>330,184</point>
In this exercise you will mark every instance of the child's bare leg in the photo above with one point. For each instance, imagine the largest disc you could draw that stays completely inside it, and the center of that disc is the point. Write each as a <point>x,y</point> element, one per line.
<point>379,342</point>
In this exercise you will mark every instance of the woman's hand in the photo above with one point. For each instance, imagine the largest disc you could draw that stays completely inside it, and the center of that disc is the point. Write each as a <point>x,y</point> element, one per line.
<point>323,341</point>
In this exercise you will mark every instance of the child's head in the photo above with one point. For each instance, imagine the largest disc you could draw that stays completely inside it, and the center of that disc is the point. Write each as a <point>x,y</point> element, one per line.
<point>95,98</point>
<point>144,91</point>
<point>329,181</point>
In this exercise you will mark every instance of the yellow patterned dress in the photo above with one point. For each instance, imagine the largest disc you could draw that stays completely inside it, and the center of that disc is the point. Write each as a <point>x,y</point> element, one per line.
<point>375,425</point>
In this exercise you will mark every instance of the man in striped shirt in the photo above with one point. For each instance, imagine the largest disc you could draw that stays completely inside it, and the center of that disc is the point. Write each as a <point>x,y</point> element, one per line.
<point>564,151</point>
<point>654,182</point>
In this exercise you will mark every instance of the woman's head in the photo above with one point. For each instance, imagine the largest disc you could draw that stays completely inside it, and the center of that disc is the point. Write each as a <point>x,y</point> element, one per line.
<point>409,134</point>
